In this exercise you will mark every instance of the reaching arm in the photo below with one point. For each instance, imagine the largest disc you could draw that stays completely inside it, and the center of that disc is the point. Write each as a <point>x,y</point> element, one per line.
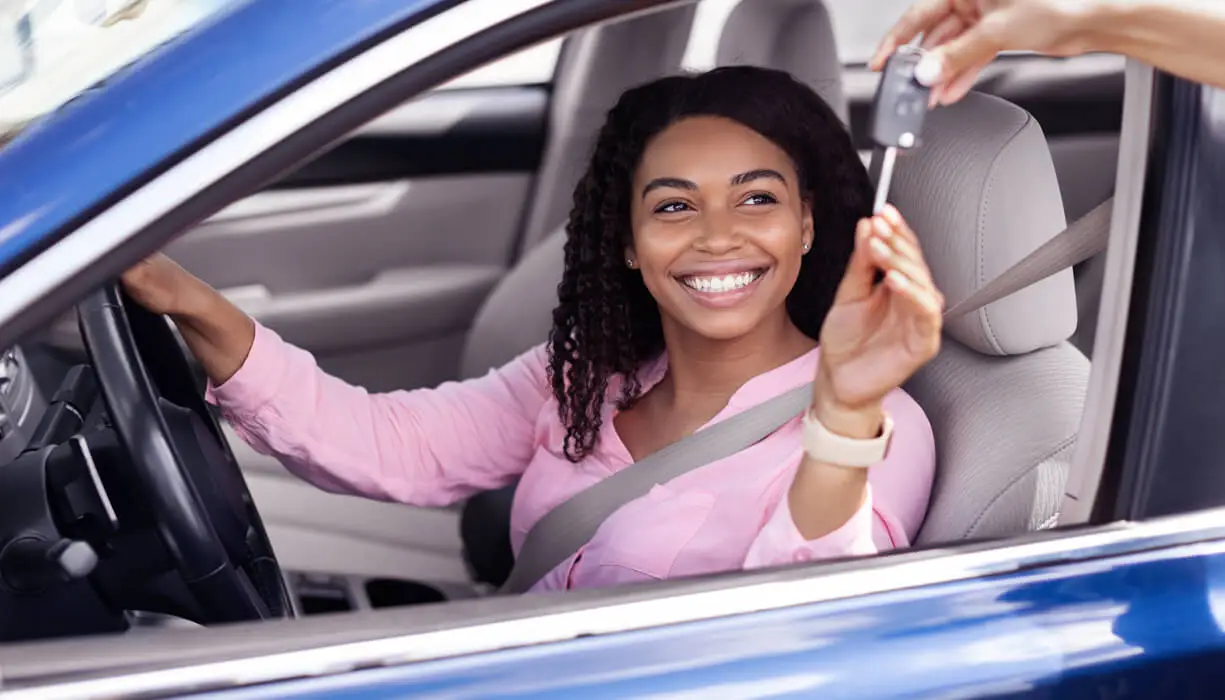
<point>1178,36</point>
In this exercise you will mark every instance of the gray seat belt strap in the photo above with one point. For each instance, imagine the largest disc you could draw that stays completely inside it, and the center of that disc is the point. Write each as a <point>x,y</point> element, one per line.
<point>565,529</point>
<point>1086,237</point>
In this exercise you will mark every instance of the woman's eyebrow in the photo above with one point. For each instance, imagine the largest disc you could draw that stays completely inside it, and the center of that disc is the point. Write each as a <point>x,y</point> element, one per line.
<point>676,182</point>
<point>740,179</point>
<point>757,175</point>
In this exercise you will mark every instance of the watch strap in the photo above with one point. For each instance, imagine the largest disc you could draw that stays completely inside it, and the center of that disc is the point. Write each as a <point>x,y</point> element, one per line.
<point>824,445</point>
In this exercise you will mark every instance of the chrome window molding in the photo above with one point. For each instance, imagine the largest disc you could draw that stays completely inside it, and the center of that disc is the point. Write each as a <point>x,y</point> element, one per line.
<point>810,585</point>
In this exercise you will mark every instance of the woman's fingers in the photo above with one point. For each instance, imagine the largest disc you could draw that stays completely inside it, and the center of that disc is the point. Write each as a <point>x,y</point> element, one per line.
<point>895,249</point>
<point>887,257</point>
<point>904,252</point>
<point>894,218</point>
<point>921,297</point>
<point>858,280</point>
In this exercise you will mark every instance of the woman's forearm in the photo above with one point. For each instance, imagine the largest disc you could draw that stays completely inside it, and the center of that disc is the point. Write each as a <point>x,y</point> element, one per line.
<point>824,496</point>
<point>217,332</point>
<point>1183,37</point>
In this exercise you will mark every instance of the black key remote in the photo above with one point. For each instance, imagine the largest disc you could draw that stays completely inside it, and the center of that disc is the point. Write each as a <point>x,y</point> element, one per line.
<point>898,111</point>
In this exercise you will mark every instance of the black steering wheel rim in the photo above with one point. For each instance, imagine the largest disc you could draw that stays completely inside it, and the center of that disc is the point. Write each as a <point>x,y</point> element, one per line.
<point>181,462</point>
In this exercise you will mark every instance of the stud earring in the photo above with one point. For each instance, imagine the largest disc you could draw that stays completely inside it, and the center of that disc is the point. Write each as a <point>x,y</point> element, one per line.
<point>629,262</point>
<point>806,244</point>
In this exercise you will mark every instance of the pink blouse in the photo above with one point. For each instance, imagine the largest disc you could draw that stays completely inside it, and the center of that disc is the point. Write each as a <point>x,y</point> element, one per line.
<point>434,447</point>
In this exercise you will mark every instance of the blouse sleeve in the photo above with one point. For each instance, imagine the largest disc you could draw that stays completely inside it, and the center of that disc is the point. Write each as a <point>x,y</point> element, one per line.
<point>426,447</point>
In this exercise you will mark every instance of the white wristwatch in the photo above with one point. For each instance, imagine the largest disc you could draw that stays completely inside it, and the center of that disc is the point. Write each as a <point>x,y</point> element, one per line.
<point>826,446</point>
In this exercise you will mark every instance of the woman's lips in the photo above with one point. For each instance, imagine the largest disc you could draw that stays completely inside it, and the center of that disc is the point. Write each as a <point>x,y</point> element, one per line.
<point>722,291</point>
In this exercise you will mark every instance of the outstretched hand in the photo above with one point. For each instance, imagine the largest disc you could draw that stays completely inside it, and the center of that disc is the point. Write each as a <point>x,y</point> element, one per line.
<point>876,336</point>
<point>965,35</point>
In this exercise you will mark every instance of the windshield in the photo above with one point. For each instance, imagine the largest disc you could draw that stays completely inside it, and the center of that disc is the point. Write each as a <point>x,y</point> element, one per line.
<point>52,50</point>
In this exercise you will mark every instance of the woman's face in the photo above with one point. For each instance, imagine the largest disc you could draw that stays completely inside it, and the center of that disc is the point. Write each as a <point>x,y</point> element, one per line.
<point>719,226</point>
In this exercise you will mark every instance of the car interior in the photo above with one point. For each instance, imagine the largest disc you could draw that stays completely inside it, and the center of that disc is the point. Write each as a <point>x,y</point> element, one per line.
<point>427,247</point>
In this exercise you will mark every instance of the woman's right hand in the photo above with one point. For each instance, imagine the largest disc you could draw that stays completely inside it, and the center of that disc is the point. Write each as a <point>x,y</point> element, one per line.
<point>161,286</point>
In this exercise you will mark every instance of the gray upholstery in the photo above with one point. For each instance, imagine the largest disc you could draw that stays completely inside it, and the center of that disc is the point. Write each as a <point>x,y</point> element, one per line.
<point>1006,393</point>
<point>794,35</point>
<point>1005,429</point>
<point>596,65</point>
<point>518,314</point>
<point>982,193</point>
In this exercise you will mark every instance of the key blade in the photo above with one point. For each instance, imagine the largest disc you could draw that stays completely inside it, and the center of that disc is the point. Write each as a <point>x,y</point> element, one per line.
<point>881,173</point>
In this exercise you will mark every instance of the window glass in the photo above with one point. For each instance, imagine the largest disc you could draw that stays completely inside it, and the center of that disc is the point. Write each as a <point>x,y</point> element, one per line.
<point>858,26</point>
<point>52,50</point>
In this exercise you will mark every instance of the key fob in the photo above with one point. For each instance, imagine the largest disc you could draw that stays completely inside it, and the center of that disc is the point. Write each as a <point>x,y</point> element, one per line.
<point>900,104</point>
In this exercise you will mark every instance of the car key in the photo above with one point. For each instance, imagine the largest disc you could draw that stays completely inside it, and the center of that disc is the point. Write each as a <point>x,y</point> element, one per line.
<point>896,121</point>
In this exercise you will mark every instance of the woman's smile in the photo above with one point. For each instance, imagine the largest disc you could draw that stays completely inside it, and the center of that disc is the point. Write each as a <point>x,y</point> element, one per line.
<point>721,290</point>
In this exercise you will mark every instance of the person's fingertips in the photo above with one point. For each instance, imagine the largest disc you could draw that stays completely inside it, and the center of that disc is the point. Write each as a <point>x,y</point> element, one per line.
<point>930,69</point>
<point>881,252</point>
<point>862,230</point>
<point>877,62</point>
<point>881,227</point>
<point>901,229</point>
<point>892,215</point>
<point>909,252</point>
<point>962,84</point>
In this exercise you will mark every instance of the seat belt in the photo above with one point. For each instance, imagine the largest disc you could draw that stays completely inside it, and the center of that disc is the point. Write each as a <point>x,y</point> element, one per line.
<point>565,529</point>
<point>1086,237</point>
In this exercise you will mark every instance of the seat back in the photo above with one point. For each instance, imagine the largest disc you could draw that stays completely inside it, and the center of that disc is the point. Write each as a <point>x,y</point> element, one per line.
<point>596,65</point>
<point>793,35</point>
<point>1006,393</point>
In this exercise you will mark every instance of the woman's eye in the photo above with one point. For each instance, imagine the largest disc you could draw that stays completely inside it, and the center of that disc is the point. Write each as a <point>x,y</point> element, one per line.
<point>761,198</point>
<point>671,208</point>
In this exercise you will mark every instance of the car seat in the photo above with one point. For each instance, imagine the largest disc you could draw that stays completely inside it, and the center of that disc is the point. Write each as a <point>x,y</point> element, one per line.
<point>1006,394</point>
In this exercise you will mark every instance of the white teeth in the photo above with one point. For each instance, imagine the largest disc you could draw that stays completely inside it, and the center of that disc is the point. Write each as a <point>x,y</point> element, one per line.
<point>727,283</point>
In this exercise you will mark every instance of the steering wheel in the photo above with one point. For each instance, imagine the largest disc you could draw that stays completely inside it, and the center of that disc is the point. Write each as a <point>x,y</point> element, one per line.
<point>180,464</point>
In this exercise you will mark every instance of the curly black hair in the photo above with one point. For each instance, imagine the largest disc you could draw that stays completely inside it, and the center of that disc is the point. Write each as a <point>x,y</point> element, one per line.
<point>606,322</point>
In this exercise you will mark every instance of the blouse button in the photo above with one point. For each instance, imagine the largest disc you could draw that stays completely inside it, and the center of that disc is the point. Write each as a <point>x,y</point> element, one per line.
<point>802,555</point>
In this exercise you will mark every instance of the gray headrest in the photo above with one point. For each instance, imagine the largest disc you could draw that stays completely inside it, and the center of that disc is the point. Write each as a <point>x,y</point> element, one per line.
<point>792,35</point>
<point>981,193</point>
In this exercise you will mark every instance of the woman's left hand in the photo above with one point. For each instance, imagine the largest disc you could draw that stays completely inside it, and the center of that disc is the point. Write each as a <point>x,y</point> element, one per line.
<point>876,335</point>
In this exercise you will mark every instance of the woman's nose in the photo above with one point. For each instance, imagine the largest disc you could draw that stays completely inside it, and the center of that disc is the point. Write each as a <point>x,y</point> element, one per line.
<point>719,233</point>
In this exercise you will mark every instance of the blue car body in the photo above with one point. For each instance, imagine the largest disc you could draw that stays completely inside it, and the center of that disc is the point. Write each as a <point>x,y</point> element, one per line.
<point>1133,620</point>
<point>1144,625</point>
